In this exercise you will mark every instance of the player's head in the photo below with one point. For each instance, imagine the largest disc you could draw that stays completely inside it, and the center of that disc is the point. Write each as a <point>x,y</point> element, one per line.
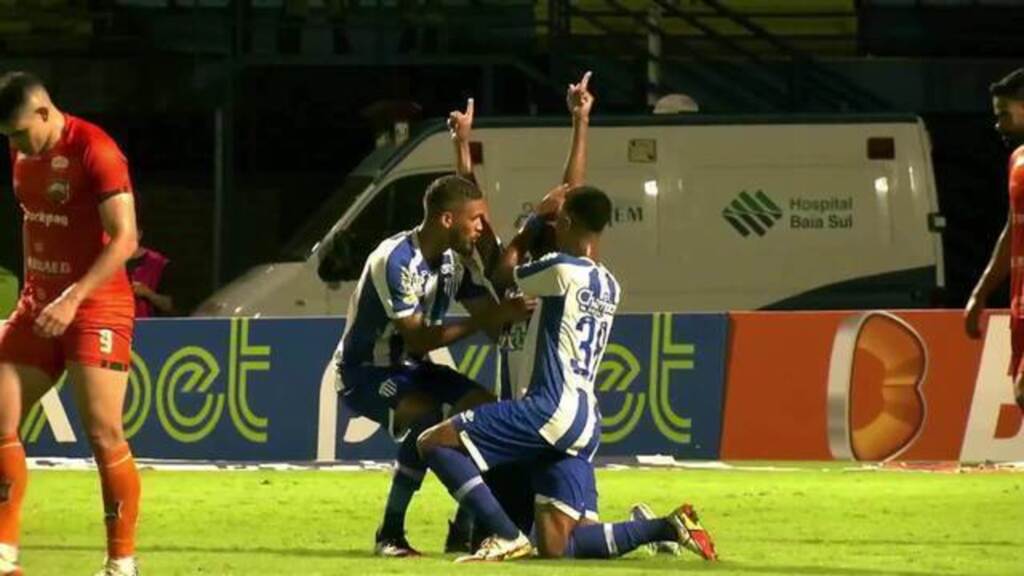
<point>27,116</point>
<point>457,205</point>
<point>1008,105</point>
<point>584,215</point>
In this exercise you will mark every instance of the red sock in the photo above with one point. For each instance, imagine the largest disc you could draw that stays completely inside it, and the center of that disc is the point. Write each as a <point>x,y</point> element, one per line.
<point>121,492</point>
<point>13,478</point>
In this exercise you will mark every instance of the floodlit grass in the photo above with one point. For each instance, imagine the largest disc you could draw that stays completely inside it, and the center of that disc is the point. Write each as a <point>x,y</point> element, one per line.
<point>822,519</point>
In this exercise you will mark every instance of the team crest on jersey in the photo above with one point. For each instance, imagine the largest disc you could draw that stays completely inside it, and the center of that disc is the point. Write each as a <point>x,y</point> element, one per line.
<point>59,191</point>
<point>59,163</point>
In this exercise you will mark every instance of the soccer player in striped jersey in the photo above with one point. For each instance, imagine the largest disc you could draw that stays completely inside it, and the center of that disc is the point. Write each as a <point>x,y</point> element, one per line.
<point>556,424</point>
<point>511,483</point>
<point>395,318</point>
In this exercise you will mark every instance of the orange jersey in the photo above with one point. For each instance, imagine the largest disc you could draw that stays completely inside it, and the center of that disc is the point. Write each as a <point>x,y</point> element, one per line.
<point>1017,233</point>
<point>60,192</point>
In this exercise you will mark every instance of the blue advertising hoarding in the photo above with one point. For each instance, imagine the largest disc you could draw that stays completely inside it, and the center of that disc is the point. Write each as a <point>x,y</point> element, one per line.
<point>263,390</point>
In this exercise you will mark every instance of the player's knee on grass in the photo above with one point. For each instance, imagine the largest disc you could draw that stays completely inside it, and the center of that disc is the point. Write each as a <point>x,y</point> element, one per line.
<point>554,528</point>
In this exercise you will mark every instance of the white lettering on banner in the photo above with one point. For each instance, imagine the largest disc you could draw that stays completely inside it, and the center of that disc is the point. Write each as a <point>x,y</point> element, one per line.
<point>986,438</point>
<point>47,219</point>
<point>359,429</point>
<point>51,267</point>
<point>57,417</point>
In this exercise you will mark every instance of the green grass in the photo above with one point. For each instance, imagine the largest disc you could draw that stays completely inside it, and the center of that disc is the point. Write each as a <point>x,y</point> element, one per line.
<point>826,521</point>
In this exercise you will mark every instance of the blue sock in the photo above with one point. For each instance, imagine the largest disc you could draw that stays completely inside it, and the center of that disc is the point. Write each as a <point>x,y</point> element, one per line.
<point>462,478</point>
<point>407,479</point>
<point>463,521</point>
<point>610,540</point>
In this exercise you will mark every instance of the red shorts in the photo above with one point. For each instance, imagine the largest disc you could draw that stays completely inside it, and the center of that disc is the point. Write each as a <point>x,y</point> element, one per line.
<point>90,340</point>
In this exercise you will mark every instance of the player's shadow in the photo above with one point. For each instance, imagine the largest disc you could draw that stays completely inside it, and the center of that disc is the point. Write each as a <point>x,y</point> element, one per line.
<point>160,549</point>
<point>946,543</point>
<point>668,565</point>
<point>693,564</point>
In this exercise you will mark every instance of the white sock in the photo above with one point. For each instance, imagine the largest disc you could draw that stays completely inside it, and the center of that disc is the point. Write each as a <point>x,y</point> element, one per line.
<point>8,552</point>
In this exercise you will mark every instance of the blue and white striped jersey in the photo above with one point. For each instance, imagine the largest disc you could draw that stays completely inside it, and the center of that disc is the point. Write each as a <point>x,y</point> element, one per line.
<point>397,282</point>
<point>564,345</point>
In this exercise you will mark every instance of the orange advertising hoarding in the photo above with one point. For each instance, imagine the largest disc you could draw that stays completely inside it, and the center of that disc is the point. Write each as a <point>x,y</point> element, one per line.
<point>906,385</point>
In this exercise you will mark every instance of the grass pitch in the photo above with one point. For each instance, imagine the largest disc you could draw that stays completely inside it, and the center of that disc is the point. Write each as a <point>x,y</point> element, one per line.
<point>818,520</point>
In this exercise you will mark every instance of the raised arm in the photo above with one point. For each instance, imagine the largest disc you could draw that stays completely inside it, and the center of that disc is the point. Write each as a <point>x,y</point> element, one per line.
<point>460,126</point>
<point>579,100</point>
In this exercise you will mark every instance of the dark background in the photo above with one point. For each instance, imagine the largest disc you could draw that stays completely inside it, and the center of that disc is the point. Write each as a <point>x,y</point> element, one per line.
<point>291,81</point>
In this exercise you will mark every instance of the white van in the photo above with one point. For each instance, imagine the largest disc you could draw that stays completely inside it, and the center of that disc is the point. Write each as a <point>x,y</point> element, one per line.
<point>711,212</point>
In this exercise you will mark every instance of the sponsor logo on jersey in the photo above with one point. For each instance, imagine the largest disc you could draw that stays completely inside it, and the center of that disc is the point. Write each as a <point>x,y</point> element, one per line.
<point>59,163</point>
<point>51,267</point>
<point>47,219</point>
<point>593,304</point>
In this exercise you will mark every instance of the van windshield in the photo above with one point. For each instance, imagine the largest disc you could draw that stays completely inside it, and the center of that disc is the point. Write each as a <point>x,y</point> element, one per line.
<point>376,163</point>
<point>317,226</point>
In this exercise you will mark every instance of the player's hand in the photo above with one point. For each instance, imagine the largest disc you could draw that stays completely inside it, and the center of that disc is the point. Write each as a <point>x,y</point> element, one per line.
<point>460,124</point>
<point>56,316</point>
<point>552,202</point>
<point>517,309</point>
<point>579,99</point>
<point>972,316</point>
<point>141,290</point>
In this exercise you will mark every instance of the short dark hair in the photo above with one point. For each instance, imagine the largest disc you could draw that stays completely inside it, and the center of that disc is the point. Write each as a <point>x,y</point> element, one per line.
<point>15,88</point>
<point>1010,86</point>
<point>589,207</point>
<point>448,192</point>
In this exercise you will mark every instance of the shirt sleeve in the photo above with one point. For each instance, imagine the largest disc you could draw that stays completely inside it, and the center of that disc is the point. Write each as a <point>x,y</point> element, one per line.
<point>473,281</point>
<point>548,276</point>
<point>107,167</point>
<point>395,284</point>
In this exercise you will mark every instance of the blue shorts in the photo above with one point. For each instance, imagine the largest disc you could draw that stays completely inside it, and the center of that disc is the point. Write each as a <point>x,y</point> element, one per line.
<point>568,484</point>
<point>374,391</point>
<point>505,432</point>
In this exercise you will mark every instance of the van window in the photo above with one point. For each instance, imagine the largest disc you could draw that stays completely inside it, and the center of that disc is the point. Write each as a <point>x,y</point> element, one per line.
<point>314,230</point>
<point>397,207</point>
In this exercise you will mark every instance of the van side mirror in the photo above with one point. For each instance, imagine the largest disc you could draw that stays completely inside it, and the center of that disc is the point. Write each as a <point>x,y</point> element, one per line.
<point>339,261</point>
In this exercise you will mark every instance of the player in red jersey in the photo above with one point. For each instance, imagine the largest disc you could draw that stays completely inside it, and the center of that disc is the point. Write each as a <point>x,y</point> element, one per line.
<point>76,311</point>
<point>1008,255</point>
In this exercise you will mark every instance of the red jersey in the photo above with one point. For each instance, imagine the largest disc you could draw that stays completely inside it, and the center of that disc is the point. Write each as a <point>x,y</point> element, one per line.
<point>1017,233</point>
<point>60,192</point>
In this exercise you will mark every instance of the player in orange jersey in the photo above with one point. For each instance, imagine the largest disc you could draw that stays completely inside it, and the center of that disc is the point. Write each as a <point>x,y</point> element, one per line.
<point>76,311</point>
<point>1008,255</point>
